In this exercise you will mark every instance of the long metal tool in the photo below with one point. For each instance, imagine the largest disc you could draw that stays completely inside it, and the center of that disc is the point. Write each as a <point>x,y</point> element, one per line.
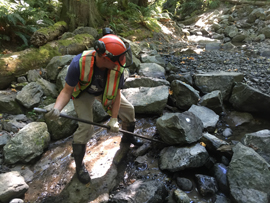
<point>39,110</point>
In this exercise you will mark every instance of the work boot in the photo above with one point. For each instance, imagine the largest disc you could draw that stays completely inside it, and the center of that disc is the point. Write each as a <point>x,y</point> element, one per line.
<point>128,138</point>
<point>81,171</point>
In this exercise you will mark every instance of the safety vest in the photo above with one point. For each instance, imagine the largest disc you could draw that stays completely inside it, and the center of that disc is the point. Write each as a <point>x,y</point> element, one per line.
<point>86,63</point>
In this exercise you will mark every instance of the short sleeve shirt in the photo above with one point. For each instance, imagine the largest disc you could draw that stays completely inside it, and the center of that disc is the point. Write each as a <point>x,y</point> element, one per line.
<point>99,78</point>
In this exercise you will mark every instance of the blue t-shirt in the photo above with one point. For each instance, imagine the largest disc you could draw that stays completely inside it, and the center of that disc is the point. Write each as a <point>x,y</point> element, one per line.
<point>99,78</point>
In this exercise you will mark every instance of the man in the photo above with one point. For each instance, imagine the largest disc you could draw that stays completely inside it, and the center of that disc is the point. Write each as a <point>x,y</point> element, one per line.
<point>97,74</point>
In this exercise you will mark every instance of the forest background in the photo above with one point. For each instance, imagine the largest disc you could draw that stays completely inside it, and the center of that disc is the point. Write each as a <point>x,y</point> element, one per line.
<point>19,19</point>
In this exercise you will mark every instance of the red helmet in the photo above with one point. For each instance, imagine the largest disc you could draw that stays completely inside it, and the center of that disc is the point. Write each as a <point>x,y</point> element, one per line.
<point>115,49</point>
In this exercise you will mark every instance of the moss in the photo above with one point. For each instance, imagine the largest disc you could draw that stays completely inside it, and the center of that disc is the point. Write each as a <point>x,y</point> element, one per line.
<point>80,38</point>
<point>50,29</point>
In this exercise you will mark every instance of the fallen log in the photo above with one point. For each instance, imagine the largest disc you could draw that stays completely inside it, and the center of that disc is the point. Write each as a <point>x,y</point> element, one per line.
<point>254,2</point>
<point>45,35</point>
<point>18,63</point>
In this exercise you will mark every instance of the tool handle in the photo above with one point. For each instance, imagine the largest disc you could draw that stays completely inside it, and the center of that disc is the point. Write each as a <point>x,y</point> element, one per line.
<point>39,110</point>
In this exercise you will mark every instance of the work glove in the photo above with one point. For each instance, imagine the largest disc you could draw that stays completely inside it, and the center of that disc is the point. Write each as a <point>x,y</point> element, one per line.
<point>114,125</point>
<point>52,114</point>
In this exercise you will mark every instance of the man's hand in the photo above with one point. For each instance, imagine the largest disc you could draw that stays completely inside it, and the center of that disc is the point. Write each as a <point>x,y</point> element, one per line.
<point>52,114</point>
<point>114,125</point>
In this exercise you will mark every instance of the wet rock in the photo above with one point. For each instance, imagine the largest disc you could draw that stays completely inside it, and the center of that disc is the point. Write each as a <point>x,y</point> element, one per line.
<point>27,144</point>
<point>180,196</point>
<point>207,185</point>
<point>212,142</point>
<point>139,191</point>
<point>227,132</point>
<point>25,172</point>
<point>235,118</point>
<point>179,158</point>
<point>225,161</point>
<point>183,95</point>
<point>259,141</point>
<point>179,128</point>
<point>221,198</point>
<point>248,176</point>
<point>12,185</point>
<point>220,173</point>
<point>30,95</point>
<point>213,100</point>
<point>184,184</point>
<point>208,117</point>
<point>142,150</point>
<point>151,70</point>
<point>147,100</point>
<point>145,82</point>
<point>222,81</point>
<point>8,103</point>
<point>248,99</point>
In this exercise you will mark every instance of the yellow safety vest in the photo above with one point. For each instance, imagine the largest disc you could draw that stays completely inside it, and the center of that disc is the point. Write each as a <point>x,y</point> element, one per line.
<point>86,63</point>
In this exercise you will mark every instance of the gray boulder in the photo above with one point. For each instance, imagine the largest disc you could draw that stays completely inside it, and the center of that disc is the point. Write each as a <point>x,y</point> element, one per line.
<point>213,100</point>
<point>222,81</point>
<point>28,143</point>
<point>140,191</point>
<point>30,95</point>
<point>145,82</point>
<point>184,95</point>
<point>208,117</point>
<point>12,185</point>
<point>179,128</point>
<point>63,127</point>
<point>248,176</point>
<point>180,158</point>
<point>8,103</point>
<point>259,141</point>
<point>246,98</point>
<point>147,100</point>
<point>56,64</point>
<point>48,88</point>
<point>151,70</point>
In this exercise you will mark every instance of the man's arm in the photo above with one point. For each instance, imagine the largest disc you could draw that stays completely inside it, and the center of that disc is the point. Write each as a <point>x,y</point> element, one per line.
<point>64,97</point>
<point>116,104</point>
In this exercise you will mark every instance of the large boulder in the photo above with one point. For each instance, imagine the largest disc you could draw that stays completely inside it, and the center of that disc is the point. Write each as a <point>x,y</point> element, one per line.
<point>179,128</point>
<point>28,143</point>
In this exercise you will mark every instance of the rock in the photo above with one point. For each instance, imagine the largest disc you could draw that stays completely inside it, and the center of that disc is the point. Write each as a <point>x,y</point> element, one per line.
<point>28,143</point>
<point>184,184</point>
<point>259,141</point>
<point>147,100</point>
<point>248,99</point>
<point>248,176</point>
<point>145,82</point>
<point>183,95</point>
<point>8,103</point>
<point>207,185</point>
<point>151,70</point>
<point>213,100</point>
<point>12,185</point>
<point>181,196</point>
<point>141,191</point>
<point>179,158</point>
<point>30,95</point>
<point>179,128</point>
<point>208,117</point>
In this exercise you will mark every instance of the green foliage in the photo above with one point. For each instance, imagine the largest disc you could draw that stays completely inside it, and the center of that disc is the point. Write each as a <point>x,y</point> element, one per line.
<point>19,20</point>
<point>212,4</point>
<point>190,6</point>
<point>135,15</point>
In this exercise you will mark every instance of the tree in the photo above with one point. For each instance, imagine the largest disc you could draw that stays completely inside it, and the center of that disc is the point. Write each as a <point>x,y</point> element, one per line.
<point>80,13</point>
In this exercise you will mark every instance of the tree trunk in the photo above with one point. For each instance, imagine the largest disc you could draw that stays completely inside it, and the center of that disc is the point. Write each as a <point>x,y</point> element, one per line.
<point>17,64</point>
<point>143,3</point>
<point>44,35</point>
<point>254,2</point>
<point>80,13</point>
